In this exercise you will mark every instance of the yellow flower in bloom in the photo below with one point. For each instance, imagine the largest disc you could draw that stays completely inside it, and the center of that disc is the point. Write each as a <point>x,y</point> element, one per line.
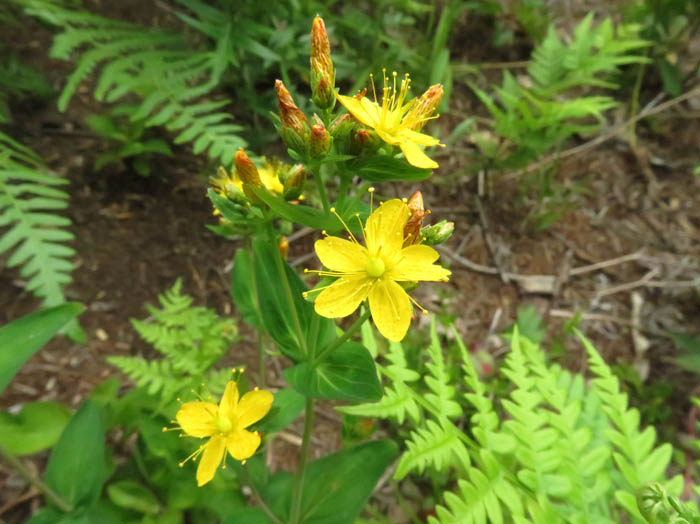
<point>225,426</point>
<point>375,272</point>
<point>398,121</point>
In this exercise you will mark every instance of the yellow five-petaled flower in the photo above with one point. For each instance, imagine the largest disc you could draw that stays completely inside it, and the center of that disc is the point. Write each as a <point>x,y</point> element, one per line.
<point>225,426</point>
<point>398,121</point>
<point>375,272</point>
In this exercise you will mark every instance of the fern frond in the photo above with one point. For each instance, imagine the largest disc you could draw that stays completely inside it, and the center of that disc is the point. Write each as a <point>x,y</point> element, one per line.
<point>442,392</point>
<point>157,377</point>
<point>483,496</point>
<point>433,445</point>
<point>35,233</point>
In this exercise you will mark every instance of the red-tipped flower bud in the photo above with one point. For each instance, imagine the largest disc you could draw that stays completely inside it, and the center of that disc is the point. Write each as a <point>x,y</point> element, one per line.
<point>246,169</point>
<point>322,72</point>
<point>319,141</point>
<point>294,184</point>
<point>295,126</point>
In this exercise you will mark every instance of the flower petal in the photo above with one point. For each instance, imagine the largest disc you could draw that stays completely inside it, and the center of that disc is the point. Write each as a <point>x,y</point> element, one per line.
<point>417,264</point>
<point>253,406</point>
<point>371,109</point>
<point>343,297</point>
<point>356,109</point>
<point>338,254</point>
<point>197,419</point>
<point>385,228</point>
<point>389,138</point>
<point>416,157</point>
<point>391,309</point>
<point>229,401</point>
<point>211,458</point>
<point>419,138</point>
<point>242,444</point>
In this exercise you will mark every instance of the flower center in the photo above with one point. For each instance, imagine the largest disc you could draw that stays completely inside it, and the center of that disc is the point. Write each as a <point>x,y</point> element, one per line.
<point>375,267</point>
<point>223,424</point>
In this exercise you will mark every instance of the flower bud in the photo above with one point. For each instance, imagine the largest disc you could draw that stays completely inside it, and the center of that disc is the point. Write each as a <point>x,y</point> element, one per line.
<point>437,233</point>
<point>295,126</point>
<point>411,231</point>
<point>294,184</point>
<point>364,141</point>
<point>319,141</point>
<point>425,106</point>
<point>284,247</point>
<point>228,187</point>
<point>322,72</point>
<point>246,169</point>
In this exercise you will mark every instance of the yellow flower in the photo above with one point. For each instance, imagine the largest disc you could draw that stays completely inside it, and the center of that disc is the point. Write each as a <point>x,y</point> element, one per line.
<point>376,271</point>
<point>398,121</point>
<point>225,425</point>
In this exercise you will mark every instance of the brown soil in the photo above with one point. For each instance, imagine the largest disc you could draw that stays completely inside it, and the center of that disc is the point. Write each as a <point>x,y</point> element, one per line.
<point>136,235</point>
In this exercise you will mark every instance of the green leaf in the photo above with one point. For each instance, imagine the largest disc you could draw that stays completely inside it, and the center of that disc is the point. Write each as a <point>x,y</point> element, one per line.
<point>387,168</point>
<point>286,407</point>
<point>299,214</point>
<point>348,374</point>
<point>284,311</point>
<point>671,76</point>
<point>247,516</point>
<point>20,339</point>
<point>243,288</point>
<point>35,428</point>
<point>339,485</point>
<point>133,495</point>
<point>76,468</point>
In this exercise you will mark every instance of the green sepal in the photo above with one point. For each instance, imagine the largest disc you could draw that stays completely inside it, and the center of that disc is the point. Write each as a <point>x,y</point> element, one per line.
<point>348,374</point>
<point>23,337</point>
<point>383,168</point>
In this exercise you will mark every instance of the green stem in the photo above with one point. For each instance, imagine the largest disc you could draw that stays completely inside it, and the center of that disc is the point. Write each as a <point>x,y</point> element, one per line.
<point>345,336</point>
<point>303,458</point>
<point>342,189</point>
<point>259,499</point>
<point>35,481</point>
<point>321,183</point>
<point>261,360</point>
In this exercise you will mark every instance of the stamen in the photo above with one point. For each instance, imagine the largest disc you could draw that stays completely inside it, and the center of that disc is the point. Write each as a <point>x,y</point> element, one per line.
<point>374,91</point>
<point>362,227</point>
<point>344,225</point>
<point>371,199</point>
<point>425,311</point>
<point>193,455</point>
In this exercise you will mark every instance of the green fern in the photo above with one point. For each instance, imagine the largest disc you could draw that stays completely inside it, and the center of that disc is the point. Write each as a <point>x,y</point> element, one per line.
<point>36,234</point>
<point>190,338</point>
<point>540,117</point>
<point>171,79</point>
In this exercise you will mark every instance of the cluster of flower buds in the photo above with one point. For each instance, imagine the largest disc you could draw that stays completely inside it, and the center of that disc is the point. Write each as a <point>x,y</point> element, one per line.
<point>295,127</point>
<point>415,233</point>
<point>322,71</point>
<point>294,180</point>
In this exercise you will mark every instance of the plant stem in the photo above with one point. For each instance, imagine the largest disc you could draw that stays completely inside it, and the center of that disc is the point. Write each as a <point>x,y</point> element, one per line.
<point>303,458</point>
<point>321,183</point>
<point>261,360</point>
<point>344,338</point>
<point>35,481</point>
<point>259,499</point>
<point>342,189</point>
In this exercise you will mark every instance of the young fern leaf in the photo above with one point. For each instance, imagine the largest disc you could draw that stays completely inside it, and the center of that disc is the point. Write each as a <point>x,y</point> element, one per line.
<point>438,380</point>
<point>435,444</point>
<point>635,455</point>
<point>34,231</point>
<point>159,67</point>
<point>190,338</point>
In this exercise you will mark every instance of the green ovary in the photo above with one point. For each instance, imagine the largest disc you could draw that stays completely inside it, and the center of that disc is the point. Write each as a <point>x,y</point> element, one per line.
<point>223,424</point>
<point>375,267</point>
